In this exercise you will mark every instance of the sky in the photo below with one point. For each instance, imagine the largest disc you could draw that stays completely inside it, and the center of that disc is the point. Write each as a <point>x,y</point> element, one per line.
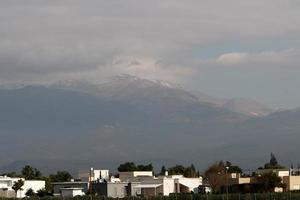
<point>229,49</point>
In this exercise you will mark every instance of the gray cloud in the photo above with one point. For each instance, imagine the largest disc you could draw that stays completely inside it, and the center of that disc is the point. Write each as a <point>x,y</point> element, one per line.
<point>58,39</point>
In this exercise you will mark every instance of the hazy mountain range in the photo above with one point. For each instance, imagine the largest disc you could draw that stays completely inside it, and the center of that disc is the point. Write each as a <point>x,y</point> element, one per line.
<point>76,124</point>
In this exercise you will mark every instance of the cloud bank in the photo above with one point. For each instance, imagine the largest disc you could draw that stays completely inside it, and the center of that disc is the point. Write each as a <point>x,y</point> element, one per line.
<point>44,41</point>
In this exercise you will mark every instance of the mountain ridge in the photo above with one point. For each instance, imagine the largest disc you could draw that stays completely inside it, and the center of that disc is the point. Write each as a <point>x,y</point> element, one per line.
<point>153,122</point>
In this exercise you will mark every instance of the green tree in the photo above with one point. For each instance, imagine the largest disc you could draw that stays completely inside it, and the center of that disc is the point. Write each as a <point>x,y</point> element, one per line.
<point>273,164</point>
<point>269,181</point>
<point>190,172</point>
<point>148,167</point>
<point>213,174</point>
<point>130,166</point>
<point>48,183</point>
<point>273,160</point>
<point>163,170</point>
<point>60,176</point>
<point>233,168</point>
<point>42,193</point>
<point>30,193</point>
<point>31,173</point>
<point>127,167</point>
<point>18,186</point>
<point>176,170</point>
<point>11,174</point>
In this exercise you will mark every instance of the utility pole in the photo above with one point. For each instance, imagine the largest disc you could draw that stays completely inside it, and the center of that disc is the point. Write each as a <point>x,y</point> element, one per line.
<point>226,174</point>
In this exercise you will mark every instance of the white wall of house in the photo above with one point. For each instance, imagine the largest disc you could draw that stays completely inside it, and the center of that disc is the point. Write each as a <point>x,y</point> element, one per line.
<point>93,174</point>
<point>283,173</point>
<point>6,183</point>
<point>168,186</point>
<point>35,185</point>
<point>169,183</point>
<point>191,183</point>
<point>125,176</point>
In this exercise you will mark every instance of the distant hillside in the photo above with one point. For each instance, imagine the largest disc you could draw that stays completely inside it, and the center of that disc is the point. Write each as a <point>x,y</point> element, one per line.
<point>128,118</point>
<point>247,107</point>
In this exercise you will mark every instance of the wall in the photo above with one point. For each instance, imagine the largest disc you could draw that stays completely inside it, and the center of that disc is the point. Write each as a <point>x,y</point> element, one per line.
<point>116,190</point>
<point>191,183</point>
<point>292,182</point>
<point>58,185</point>
<point>99,188</point>
<point>84,175</point>
<point>35,185</point>
<point>124,176</point>
<point>168,186</point>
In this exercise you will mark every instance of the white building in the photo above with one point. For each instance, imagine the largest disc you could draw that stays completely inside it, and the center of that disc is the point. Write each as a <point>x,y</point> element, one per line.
<point>6,184</point>
<point>59,186</point>
<point>134,175</point>
<point>93,174</point>
<point>144,183</point>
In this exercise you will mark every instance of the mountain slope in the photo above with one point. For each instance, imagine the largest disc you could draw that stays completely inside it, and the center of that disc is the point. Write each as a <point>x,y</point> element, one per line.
<point>247,107</point>
<point>129,118</point>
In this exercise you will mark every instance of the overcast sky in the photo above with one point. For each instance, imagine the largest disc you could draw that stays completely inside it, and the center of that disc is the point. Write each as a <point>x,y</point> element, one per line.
<point>231,48</point>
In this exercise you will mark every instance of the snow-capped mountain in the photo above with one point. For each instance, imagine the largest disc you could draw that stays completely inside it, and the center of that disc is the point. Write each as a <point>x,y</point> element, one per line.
<point>129,118</point>
<point>134,89</point>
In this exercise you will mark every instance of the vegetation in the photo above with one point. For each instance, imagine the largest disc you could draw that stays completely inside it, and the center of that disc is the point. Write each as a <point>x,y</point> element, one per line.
<point>30,173</point>
<point>30,193</point>
<point>18,186</point>
<point>268,181</point>
<point>189,172</point>
<point>42,193</point>
<point>273,164</point>
<point>216,172</point>
<point>163,170</point>
<point>11,174</point>
<point>233,168</point>
<point>212,174</point>
<point>131,166</point>
<point>60,176</point>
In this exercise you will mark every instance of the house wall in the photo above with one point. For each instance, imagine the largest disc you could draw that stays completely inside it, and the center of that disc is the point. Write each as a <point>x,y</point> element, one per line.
<point>35,185</point>
<point>149,191</point>
<point>168,186</point>
<point>292,182</point>
<point>84,175</point>
<point>246,180</point>
<point>133,190</point>
<point>58,185</point>
<point>99,188</point>
<point>283,173</point>
<point>191,183</point>
<point>7,193</point>
<point>116,190</point>
<point>124,176</point>
<point>6,184</point>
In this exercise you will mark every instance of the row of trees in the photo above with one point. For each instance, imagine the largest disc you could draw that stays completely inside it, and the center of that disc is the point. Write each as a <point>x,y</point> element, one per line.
<point>131,166</point>
<point>189,171</point>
